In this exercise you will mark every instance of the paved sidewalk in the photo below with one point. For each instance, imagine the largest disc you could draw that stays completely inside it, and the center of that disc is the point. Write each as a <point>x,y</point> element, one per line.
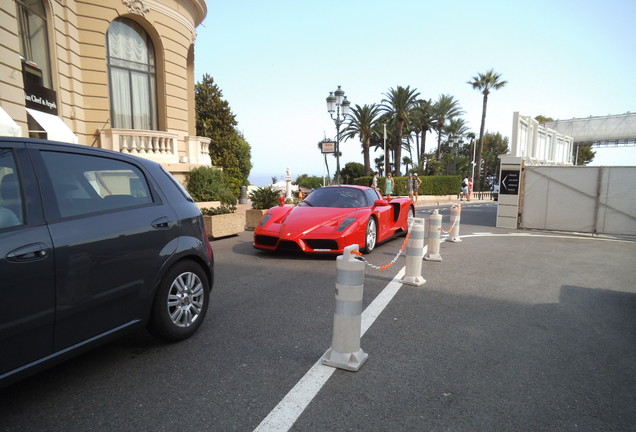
<point>434,200</point>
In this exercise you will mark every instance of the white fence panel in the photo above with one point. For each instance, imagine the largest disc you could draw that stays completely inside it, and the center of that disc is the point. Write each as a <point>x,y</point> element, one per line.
<point>617,210</point>
<point>581,199</point>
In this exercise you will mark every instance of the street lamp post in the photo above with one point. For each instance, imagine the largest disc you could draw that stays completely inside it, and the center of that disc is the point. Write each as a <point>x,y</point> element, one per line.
<point>335,100</point>
<point>472,173</point>
<point>455,141</point>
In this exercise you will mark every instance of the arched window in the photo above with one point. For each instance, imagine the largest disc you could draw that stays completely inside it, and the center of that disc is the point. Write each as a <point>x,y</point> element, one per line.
<point>131,72</point>
<point>34,42</point>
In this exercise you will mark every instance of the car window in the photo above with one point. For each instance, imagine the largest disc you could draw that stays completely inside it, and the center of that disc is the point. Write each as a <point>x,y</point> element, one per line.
<point>178,185</point>
<point>86,184</point>
<point>337,197</point>
<point>11,212</point>
<point>372,196</point>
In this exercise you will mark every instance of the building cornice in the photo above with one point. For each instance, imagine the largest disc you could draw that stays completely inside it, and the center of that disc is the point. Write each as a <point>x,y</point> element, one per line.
<point>192,14</point>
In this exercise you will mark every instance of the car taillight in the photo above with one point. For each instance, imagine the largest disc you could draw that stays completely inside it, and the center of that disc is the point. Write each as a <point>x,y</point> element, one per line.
<point>206,240</point>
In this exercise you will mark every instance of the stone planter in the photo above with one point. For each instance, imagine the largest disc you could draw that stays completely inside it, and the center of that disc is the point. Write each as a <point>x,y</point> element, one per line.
<point>252,218</point>
<point>208,204</point>
<point>224,225</point>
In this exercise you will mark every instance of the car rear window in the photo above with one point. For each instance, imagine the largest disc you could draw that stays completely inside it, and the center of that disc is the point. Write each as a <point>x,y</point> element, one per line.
<point>86,184</point>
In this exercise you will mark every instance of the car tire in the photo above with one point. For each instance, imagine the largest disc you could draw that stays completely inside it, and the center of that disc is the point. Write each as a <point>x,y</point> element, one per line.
<point>180,303</point>
<point>371,235</point>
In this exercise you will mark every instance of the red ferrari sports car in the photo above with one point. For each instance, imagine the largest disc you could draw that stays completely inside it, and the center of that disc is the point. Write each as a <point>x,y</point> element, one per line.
<point>333,217</point>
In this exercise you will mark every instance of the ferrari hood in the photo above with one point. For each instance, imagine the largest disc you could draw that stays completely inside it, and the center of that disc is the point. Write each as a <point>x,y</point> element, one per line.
<point>302,220</point>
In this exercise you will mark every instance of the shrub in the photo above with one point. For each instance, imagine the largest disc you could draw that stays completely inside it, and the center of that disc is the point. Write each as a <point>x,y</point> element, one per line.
<point>309,182</point>
<point>440,185</point>
<point>431,185</point>
<point>264,198</point>
<point>209,184</point>
<point>218,210</point>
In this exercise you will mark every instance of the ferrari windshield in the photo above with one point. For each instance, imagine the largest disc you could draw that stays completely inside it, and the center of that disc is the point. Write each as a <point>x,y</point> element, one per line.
<point>336,197</point>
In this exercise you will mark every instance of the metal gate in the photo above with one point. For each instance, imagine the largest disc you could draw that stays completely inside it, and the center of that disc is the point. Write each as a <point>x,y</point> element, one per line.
<point>600,200</point>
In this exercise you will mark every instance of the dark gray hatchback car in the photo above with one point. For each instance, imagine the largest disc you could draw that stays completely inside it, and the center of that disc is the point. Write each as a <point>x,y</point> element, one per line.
<point>93,243</point>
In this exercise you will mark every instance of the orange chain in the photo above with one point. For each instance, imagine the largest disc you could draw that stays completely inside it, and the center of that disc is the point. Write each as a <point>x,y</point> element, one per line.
<point>386,266</point>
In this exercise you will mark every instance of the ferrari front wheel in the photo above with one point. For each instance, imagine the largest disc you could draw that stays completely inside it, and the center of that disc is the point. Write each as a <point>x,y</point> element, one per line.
<point>371,235</point>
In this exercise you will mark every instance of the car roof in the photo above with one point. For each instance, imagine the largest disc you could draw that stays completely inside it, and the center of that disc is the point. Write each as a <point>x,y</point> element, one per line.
<point>349,186</point>
<point>59,144</point>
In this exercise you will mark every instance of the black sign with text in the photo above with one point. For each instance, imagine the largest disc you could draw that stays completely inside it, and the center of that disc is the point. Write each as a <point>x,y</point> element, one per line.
<point>509,182</point>
<point>40,98</point>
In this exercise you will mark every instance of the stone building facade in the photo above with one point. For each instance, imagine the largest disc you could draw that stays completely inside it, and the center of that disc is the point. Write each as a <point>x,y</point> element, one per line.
<point>116,74</point>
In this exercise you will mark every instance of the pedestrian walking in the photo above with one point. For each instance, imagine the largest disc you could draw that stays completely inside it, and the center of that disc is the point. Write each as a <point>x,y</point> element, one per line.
<point>416,186</point>
<point>409,185</point>
<point>374,181</point>
<point>464,192</point>
<point>388,187</point>
<point>470,188</point>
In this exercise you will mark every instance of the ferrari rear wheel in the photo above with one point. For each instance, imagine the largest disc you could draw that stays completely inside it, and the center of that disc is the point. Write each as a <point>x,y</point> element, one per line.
<point>371,236</point>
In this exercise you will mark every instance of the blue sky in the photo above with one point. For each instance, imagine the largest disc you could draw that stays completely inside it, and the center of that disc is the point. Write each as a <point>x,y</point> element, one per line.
<point>276,61</point>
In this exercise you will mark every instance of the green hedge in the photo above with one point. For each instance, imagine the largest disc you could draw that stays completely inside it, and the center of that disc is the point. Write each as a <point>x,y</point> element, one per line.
<point>205,183</point>
<point>431,185</point>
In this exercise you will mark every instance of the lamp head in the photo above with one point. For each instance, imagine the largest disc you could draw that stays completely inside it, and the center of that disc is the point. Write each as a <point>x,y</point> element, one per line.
<point>331,103</point>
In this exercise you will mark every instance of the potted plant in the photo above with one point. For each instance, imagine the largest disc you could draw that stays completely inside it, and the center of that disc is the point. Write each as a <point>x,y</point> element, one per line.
<point>223,221</point>
<point>262,200</point>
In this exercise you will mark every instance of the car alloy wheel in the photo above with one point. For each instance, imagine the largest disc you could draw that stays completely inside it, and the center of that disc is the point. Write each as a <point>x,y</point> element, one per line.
<point>181,302</point>
<point>185,299</point>
<point>371,236</point>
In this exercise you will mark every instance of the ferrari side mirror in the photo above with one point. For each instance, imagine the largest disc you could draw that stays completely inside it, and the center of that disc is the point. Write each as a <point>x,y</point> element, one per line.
<point>380,203</point>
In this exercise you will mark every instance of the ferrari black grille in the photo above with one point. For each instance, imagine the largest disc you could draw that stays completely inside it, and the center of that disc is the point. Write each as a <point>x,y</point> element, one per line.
<point>266,240</point>
<point>322,244</point>
<point>288,246</point>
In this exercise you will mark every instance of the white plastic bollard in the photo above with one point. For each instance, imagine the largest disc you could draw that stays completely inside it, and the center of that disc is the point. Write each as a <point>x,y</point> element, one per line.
<point>345,351</point>
<point>414,253</point>
<point>434,236</point>
<point>453,235</point>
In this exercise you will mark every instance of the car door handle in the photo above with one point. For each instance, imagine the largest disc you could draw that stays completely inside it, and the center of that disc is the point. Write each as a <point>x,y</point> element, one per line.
<point>30,252</point>
<point>162,222</point>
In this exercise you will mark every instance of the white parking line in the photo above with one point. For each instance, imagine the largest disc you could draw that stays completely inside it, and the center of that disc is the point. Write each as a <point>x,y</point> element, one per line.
<point>285,414</point>
<point>539,235</point>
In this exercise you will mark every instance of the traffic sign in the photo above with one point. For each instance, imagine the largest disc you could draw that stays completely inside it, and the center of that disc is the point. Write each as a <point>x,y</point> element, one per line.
<point>509,182</point>
<point>328,146</point>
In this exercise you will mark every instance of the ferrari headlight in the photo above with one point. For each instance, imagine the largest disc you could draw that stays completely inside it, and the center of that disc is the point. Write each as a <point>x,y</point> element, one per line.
<point>345,224</point>
<point>265,219</point>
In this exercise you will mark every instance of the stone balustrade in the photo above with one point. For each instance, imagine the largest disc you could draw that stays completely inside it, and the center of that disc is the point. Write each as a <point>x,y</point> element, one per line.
<point>160,146</point>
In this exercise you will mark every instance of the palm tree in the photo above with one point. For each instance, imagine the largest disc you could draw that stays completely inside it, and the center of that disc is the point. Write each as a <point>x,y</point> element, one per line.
<point>456,128</point>
<point>407,161</point>
<point>494,145</point>
<point>484,83</point>
<point>383,124</point>
<point>455,131</point>
<point>398,104</point>
<point>471,136</point>
<point>421,123</point>
<point>361,122</point>
<point>379,164</point>
<point>434,166</point>
<point>444,109</point>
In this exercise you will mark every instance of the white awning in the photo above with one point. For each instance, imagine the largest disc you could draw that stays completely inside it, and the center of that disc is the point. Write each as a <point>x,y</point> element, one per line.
<point>56,129</point>
<point>7,126</point>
